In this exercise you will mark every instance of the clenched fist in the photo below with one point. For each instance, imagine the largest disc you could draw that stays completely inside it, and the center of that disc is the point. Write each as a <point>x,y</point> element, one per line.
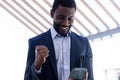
<point>41,53</point>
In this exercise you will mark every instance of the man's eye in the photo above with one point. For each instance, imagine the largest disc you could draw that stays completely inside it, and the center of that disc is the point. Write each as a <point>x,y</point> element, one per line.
<point>70,19</point>
<point>61,17</point>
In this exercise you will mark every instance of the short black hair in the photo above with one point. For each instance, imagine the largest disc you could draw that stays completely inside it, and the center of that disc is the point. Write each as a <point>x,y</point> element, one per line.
<point>65,3</point>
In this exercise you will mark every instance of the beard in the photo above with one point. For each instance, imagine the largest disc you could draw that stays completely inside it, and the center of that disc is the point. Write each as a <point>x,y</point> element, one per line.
<point>62,29</point>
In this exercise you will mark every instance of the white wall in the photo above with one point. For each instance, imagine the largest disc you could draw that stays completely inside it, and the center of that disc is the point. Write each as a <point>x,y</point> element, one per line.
<point>13,47</point>
<point>106,55</point>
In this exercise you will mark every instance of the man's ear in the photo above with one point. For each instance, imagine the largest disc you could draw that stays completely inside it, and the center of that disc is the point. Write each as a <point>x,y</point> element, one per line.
<point>51,13</point>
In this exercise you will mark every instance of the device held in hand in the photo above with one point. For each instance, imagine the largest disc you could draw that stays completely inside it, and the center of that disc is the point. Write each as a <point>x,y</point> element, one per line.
<point>79,74</point>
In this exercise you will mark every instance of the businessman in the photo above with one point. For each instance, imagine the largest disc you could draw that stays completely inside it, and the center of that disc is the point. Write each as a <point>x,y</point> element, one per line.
<point>53,54</point>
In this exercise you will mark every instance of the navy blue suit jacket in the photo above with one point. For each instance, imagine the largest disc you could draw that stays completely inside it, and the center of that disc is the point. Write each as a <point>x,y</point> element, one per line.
<point>80,56</point>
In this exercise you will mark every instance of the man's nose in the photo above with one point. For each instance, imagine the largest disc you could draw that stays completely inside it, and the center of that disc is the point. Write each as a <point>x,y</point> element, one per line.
<point>66,22</point>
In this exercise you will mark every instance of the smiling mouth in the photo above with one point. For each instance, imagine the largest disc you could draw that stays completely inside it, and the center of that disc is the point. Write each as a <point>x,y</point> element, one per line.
<point>64,28</point>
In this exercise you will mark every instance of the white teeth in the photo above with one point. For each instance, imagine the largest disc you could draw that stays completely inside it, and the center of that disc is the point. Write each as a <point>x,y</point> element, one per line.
<point>64,27</point>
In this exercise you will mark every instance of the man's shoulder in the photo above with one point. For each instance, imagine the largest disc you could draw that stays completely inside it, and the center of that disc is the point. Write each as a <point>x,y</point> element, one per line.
<point>78,36</point>
<point>40,36</point>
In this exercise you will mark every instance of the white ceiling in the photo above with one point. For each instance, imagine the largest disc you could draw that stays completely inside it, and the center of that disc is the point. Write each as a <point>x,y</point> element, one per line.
<point>93,19</point>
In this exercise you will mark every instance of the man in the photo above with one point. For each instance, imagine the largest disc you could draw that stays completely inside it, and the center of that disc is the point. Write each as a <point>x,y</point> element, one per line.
<point>53,54</point>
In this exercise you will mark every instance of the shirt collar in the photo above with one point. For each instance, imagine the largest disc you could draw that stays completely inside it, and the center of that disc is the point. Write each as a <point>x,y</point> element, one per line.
<point>54,33</point>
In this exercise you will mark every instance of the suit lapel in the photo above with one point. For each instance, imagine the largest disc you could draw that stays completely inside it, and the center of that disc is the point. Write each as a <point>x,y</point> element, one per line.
<point>49,43</point>
<point>74,51</point>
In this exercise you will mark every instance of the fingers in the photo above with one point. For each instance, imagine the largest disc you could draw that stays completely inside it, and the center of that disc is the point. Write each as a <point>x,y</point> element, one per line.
<point>86,76</point>
<point>42,51</point>
<point>70,79</point>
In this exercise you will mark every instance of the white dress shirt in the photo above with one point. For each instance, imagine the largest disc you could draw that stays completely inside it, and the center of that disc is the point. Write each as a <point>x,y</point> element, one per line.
<point>62,52</point>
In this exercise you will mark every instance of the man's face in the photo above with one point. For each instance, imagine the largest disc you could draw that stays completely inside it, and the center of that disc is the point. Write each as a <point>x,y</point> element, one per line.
<point>63,19</point>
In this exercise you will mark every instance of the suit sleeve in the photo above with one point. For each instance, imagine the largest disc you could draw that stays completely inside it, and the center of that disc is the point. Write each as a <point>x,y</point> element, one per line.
<point>30,73</point>
<point>89,61</point>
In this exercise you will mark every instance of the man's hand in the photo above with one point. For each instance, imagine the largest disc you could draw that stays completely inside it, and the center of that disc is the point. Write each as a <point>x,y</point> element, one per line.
<point>41,53</point>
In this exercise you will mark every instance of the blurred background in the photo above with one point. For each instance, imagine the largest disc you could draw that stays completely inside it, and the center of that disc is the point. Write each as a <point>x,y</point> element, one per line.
<point>98,20</point>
